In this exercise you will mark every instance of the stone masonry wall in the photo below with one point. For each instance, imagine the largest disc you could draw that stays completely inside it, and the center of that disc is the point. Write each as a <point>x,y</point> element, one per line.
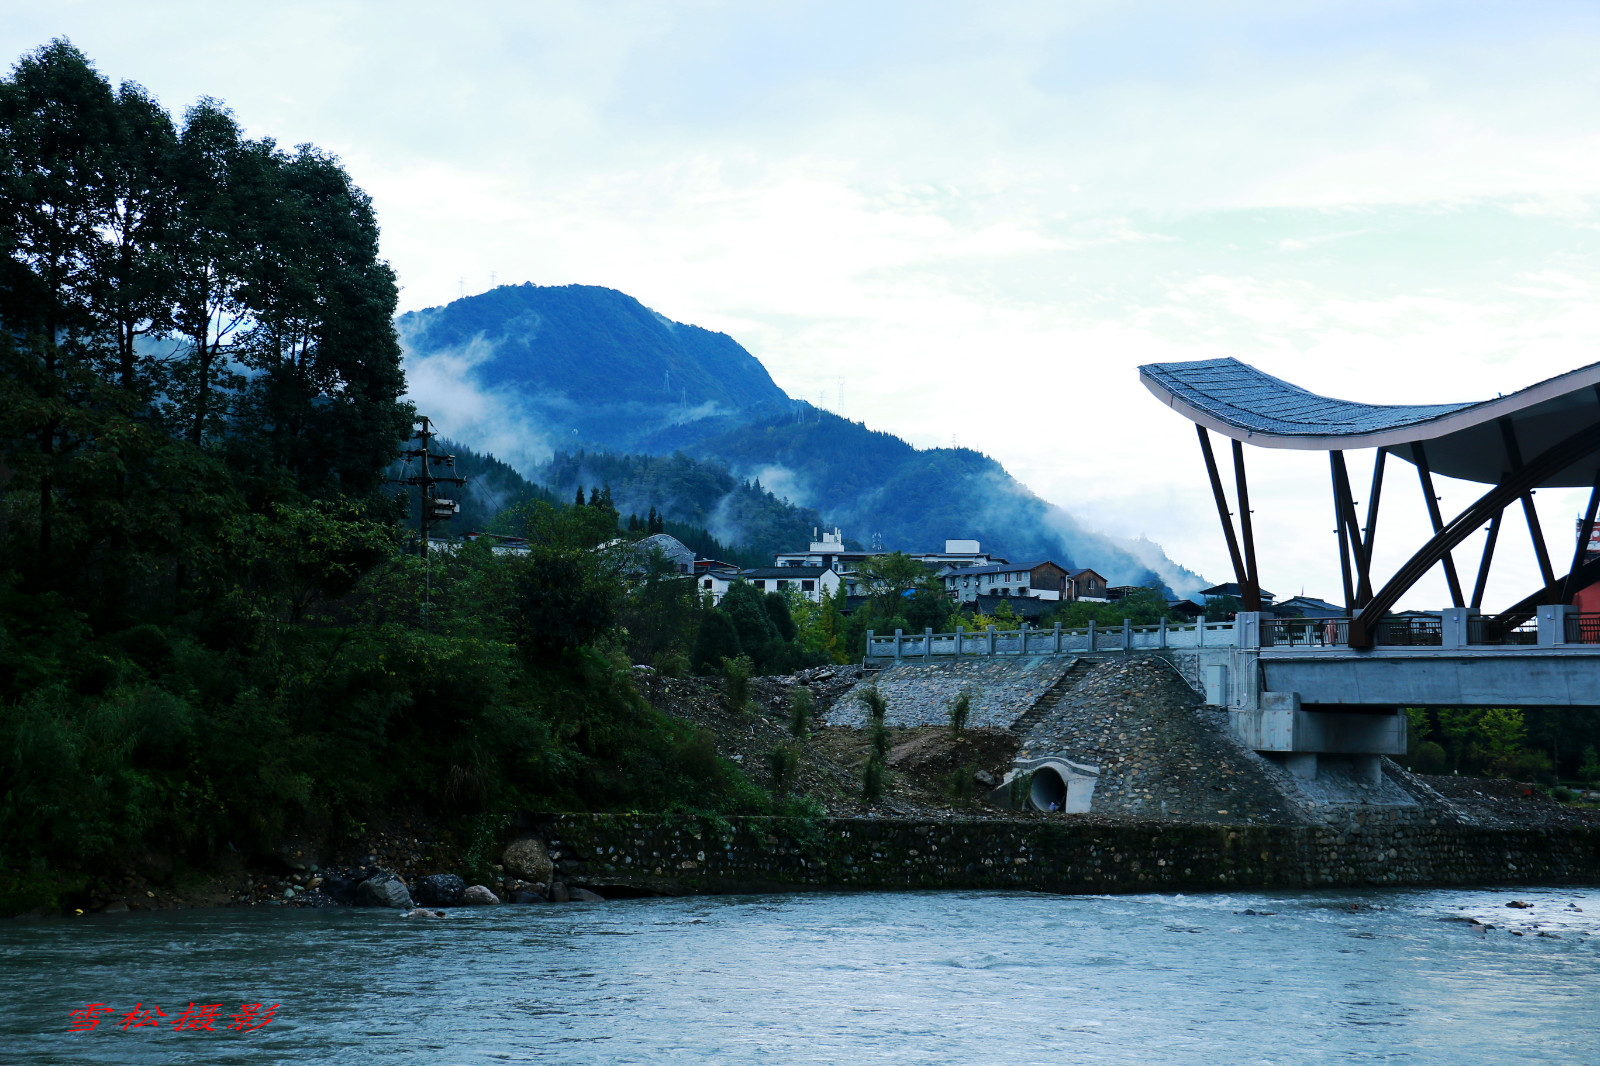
<point>663,854</point>
<point>920,693</point>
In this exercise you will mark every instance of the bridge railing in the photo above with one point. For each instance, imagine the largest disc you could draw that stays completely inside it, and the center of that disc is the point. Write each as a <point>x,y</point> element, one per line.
<point>1583,628</point>
<point>1304,632</point>
<point>1491,630</point>
<point>1055,640</point>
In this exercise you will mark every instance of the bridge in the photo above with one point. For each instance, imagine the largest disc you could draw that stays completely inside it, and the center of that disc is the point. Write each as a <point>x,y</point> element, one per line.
<point>1303,688</point>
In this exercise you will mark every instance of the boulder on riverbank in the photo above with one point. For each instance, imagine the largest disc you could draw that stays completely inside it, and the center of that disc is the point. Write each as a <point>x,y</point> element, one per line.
<point>383,890</point>
<point>528,859</point>
<point>439,890</point>
<point>478,896</point>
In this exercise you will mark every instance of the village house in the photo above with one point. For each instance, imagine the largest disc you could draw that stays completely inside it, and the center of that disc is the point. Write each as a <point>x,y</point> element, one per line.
<point>1040,581</point>
<point>1086,585</point>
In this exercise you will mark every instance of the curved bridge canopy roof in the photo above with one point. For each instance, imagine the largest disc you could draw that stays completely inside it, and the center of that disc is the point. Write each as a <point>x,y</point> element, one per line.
<point>1463,440</point>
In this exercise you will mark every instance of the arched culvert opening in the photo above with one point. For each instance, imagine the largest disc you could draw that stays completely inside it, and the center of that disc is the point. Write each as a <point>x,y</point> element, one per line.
<point>1048,791</point>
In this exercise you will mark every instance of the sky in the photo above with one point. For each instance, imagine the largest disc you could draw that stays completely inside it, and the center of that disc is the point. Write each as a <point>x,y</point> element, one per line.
<point>972,223</point>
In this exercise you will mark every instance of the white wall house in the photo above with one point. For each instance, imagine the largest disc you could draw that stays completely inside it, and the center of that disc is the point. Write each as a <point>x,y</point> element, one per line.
<point>812,582</point>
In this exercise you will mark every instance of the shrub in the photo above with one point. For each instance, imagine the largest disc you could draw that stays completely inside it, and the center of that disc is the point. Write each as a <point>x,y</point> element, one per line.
<point>1429,758</point>
<point>872,780</point>
<point>736,682</point>
<point>1589,769</point>
<point>875,703</point>
<point>800,707</point>
<point>960,711</point>
<point>1562,794</point>
<point>959,785</point>
<point>783,761</point>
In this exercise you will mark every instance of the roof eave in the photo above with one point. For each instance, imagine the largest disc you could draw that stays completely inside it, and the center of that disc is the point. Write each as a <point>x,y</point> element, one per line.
<point>1423,430</point>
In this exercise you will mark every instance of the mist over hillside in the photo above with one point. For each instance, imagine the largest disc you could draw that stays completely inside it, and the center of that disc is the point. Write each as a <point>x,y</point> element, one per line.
<point>571,373</point>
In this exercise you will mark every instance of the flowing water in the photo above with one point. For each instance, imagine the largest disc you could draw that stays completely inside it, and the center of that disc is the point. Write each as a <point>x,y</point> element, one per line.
<point>951,977</point>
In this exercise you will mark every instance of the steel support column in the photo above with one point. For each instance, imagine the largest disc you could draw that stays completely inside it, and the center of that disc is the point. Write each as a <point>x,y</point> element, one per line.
<point>1585,531</point>
<point>1508,434</point>
<point>1488,557</point>
<point>1241,577</point>
<point>1251,600</point>
<point>1425,475</point>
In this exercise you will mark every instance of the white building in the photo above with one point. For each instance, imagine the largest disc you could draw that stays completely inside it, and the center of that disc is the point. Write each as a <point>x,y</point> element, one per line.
<point>829,550</point>
<point>812,582</point>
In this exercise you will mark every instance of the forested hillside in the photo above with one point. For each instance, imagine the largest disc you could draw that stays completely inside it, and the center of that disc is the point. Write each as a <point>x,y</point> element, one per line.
<point>737,512</point>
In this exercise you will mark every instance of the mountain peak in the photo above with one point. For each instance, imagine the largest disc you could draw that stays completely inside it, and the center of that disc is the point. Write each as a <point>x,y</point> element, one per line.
<point>591,345</point>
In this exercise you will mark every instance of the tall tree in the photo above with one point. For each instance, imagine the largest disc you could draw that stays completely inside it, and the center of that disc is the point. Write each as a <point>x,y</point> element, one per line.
<point>57,118</point>
<point>325,401</point>
<point>213,187</point>
<point>133,271</point>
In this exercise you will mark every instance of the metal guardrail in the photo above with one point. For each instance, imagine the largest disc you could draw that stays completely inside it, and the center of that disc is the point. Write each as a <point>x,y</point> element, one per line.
<point>1304,632</point>
<point>1490,630</point>
<point>1583,629</point>
<point>1410,633</point>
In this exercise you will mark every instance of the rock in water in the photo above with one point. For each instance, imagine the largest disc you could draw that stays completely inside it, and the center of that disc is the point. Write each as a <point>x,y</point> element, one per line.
<point>477,896</point>
<point>583,895</point>
<point>383,890</point>
<point>421,912</point>
<point>523,895</point>
<point>440,890</point>
<point>528,859</point>
<point>558,893</point>
<point>1519,905</point>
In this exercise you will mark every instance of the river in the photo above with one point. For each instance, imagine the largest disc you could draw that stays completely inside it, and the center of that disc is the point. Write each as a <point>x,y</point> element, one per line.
<point>949,977</point>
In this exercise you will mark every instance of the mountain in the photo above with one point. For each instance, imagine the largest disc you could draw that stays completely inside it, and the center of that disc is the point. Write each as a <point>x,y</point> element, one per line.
<point>579,384</point>
<point>592,365</point>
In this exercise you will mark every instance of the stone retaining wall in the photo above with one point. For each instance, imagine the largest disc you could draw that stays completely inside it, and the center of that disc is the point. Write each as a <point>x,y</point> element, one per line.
<point>683,855</point>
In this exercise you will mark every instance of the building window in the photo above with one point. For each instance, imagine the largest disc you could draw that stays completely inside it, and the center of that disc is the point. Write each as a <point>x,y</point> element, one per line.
<point>783,583</point>
<point>759,584</point>
<point>808,586</point>
<point>708,582</point>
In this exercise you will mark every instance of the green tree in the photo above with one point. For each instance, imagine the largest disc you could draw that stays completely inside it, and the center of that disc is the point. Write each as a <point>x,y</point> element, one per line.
<point>746,606</point>
<point>218,179</point>
<point>889,577</point>
<point>716,641</point>
<point>1142,607</point>
<point>777,605</point>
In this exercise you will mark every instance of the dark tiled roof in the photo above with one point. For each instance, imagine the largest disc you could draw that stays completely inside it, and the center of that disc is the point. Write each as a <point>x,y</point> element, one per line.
<point>785,571</point>
<point>1027,606</point>
<point>1241,396</point>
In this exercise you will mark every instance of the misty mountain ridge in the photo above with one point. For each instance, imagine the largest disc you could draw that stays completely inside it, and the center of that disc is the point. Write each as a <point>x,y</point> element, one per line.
<point>579,384</point>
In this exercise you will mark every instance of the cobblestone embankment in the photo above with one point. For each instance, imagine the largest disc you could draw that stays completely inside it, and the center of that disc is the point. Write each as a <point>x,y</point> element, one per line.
<point>921,693</point>
<point>620,854</point>
<point>1160,753</point>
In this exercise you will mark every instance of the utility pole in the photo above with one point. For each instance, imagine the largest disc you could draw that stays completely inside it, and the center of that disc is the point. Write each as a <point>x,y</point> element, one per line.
<point>432,509</point>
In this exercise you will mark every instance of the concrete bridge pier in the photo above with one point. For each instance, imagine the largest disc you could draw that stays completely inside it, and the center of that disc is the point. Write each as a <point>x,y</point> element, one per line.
<point>1278,726</point>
